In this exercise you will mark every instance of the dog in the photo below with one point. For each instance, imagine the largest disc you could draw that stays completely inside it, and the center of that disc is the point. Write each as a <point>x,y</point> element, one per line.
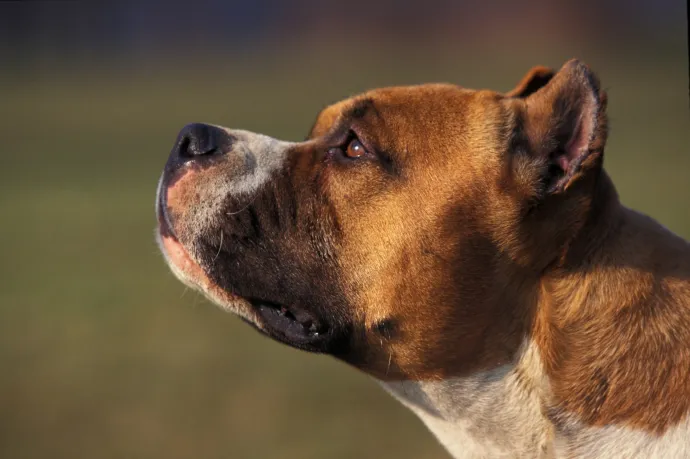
<point>466,248</point>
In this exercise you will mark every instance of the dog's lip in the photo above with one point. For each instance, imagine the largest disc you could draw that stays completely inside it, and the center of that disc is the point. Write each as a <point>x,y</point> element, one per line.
<point>176,254</point>
<point>164,224</point>
<point>292,325</point>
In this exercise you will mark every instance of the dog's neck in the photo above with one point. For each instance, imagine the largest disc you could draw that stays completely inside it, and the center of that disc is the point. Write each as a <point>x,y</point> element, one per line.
<point>491,414</point>
<point>612,329</point>
<point>497,412</point>
<point>544,403</point>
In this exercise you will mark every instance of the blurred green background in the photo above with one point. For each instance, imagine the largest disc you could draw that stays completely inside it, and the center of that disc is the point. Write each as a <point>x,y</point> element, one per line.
<point>103,354</point>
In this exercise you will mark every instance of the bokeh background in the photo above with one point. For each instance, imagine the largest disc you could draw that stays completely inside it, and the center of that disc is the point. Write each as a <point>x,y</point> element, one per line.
<point>102,353</point>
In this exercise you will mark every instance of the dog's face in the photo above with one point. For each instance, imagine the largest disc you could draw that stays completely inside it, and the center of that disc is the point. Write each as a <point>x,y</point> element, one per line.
<point>400,235</point>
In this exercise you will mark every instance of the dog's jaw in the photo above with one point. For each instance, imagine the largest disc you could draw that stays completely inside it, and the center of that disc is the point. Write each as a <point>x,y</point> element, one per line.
<point>189,271</point>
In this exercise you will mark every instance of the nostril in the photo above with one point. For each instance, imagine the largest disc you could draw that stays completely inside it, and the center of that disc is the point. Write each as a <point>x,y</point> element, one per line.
<point>184,146</point>
<point>197,139</point>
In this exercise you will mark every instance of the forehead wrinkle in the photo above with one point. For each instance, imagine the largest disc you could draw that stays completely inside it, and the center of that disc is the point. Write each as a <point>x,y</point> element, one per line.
<point>357,111</point>
<point>360,109</point>
<point>340,113</point>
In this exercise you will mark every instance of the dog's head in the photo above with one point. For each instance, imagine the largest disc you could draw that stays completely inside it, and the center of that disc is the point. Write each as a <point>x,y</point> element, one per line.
<point>401,234</point>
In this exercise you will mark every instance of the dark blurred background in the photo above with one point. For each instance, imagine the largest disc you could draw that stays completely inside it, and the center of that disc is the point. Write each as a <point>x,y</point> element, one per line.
<point>103,354</point>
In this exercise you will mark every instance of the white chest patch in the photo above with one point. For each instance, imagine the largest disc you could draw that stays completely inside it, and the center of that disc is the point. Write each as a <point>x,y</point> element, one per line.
<point>494,414</point>
<point>497,414</point>
<point>616,442</point>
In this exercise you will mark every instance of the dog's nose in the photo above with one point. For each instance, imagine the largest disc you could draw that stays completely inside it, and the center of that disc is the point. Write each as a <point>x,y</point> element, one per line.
<point>198,139</point>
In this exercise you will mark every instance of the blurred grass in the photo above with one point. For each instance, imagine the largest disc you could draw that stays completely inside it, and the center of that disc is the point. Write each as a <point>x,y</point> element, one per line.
<point>103,354</point>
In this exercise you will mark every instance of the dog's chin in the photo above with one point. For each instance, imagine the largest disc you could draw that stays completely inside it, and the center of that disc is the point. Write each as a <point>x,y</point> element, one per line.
<point>294,326</point>
<point>189,272</point>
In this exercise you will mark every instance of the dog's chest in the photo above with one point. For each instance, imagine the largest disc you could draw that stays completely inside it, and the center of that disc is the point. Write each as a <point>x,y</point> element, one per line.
<point>497,414</point>
<point>488,415</point>
<point>620,442</point>
<point>492,414</point>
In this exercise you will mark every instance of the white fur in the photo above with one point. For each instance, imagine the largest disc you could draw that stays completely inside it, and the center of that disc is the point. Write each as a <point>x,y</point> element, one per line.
<point>498,414</point>
<point>616,442</point>
<point>493,414</point>
<point>264,156</point>
<point>252,161</point>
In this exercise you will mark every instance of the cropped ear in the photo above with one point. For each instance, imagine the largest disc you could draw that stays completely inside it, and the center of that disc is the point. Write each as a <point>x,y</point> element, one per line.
<point>564,125</point>
<point>535,79</point>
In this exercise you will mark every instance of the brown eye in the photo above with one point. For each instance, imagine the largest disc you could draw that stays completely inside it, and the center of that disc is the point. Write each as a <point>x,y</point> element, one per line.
<point>355,149</point>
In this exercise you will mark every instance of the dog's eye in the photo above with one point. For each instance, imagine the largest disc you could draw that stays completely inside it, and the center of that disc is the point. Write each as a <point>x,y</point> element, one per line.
<point>355,149</point>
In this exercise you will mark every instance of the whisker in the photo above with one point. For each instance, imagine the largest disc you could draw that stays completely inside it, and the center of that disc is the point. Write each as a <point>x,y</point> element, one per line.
<point>220,247</point>
<point>244,208</point>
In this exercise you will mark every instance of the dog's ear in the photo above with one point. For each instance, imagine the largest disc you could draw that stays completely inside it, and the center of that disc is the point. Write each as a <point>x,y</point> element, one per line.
<point>535,79</point>
<point>563,125</point>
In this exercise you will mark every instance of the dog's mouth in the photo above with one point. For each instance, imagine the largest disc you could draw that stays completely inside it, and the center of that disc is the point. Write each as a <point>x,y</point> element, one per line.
<point>290,324</point>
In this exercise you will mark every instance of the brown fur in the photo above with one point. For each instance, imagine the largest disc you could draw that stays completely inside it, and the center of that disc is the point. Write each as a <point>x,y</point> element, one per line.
<point>614,323</point>
<point>381,237</point>
<point>614,333</point>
